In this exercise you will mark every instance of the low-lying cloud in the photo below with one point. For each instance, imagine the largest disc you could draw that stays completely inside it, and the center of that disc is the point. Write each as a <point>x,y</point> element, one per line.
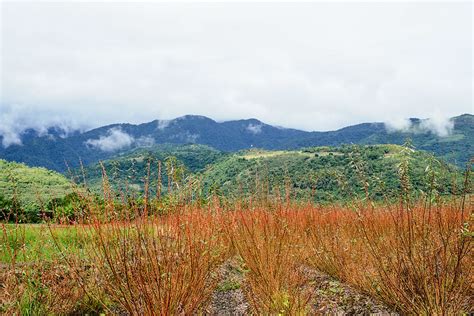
<point>162,124</point>
<point>16,119</point>
<point>115,139</point>
<point>9,137</point>
<point>254,128</point>
<point>144,141</point>
<point>437,124</point>
<point>186,137</point>
<point>398,125</point>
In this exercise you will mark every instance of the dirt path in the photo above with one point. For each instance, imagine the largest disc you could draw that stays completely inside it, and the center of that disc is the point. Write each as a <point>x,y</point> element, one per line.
<point>229,298</point>
<point>330,296</point>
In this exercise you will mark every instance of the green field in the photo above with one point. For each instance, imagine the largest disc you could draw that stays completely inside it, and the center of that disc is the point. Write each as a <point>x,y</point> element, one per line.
<point>32,242</point>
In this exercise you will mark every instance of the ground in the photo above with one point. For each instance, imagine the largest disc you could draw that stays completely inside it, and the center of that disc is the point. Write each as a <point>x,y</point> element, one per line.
<point>330,297</point>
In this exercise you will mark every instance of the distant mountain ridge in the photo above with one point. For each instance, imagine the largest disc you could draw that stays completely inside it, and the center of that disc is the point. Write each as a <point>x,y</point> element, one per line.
<point>55,151</point>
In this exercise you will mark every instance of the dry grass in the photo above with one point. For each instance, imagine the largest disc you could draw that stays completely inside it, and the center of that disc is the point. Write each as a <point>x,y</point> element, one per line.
<point>159,266</point>
<point>270,248</point>
<point>418,262</point>
<point>46,288</point>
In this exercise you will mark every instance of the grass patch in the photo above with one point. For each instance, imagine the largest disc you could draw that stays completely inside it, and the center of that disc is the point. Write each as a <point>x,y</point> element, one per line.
<point>229,285</point>
<point>33,242</point>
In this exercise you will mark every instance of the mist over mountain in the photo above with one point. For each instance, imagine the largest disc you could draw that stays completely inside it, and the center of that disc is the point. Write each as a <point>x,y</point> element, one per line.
<point>56,150</point>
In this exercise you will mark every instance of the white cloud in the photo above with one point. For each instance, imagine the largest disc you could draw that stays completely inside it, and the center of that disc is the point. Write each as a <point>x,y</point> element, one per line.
<point>186,137</point>
<point>9,137</point>
<point>312,66</point>
<point>116,139</point>
<point>398,124</point>
<point>254,128</point>
<point>162,124</point>
<point>437,124</point>
<point>15,119</point>
<point>145,141</point>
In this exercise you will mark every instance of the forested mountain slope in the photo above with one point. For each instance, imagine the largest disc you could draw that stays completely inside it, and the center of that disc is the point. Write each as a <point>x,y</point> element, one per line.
<point>54,151</point>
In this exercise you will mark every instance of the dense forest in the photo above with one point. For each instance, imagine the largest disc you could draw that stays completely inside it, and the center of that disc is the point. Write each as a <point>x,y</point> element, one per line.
<point>25,191</point>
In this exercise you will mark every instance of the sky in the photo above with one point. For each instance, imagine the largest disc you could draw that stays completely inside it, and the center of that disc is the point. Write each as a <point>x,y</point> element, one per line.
<point>312,66</point>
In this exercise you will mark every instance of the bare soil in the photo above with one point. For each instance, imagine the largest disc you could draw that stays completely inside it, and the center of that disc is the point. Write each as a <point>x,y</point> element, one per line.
<point>331,297</point>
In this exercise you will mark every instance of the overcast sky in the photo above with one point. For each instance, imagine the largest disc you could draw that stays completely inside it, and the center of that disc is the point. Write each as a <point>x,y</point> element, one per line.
<point>313,66</point>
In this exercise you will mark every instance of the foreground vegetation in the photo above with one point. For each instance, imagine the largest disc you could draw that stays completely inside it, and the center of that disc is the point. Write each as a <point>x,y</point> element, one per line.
<point>417,259</point>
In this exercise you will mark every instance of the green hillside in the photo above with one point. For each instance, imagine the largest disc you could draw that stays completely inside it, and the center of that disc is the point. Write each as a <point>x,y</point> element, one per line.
<point>31,187</point>
<point>328,173</point>
<point>131,169</point>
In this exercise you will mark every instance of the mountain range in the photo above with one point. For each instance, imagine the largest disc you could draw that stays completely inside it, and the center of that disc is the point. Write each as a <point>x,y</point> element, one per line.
<point>56,151</point>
